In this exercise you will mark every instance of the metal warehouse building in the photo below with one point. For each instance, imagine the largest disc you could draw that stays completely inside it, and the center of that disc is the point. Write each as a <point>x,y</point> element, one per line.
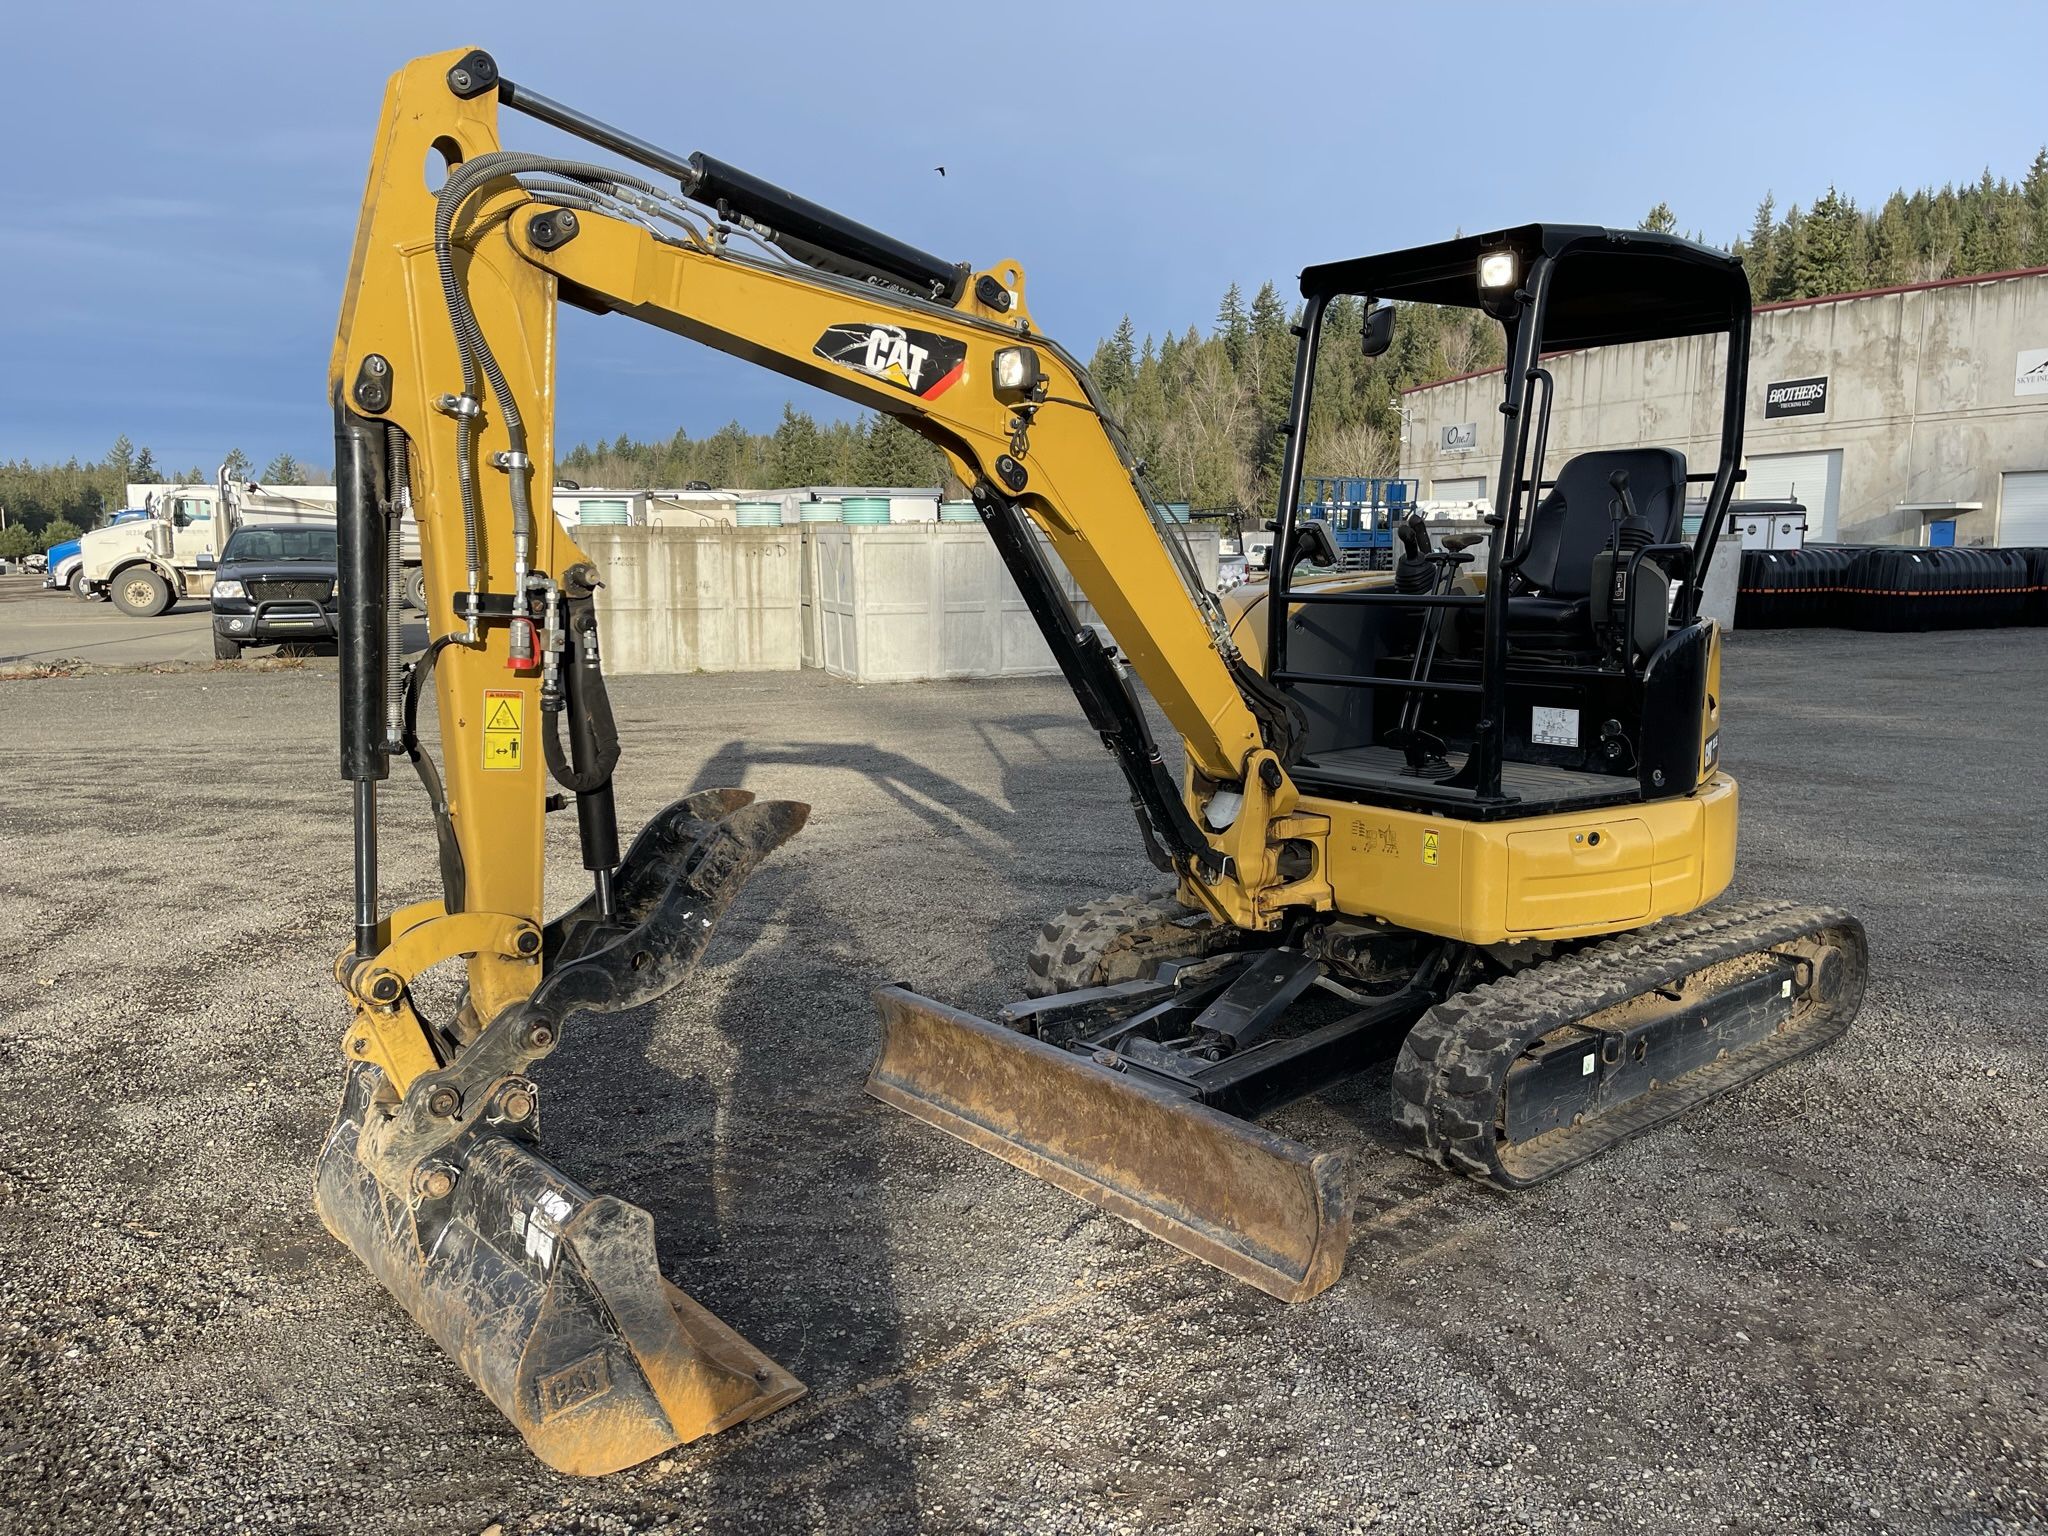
<point>1899,416</point>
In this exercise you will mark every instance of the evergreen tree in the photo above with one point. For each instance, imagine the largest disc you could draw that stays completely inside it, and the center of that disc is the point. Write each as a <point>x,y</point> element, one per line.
<point>1234,326</point>
<point>145,471</point>
<point>235,466</point>
<point>1758,250</point>
<point>1829,258</point>
<point>1206,413</point>
<point>2034,193</point>
<point>1891,244</point>
<point>730,458</point>
<point>121,462</point>
<point>800,456</point>
<point>893,455</point>
<point>284,470</point>
<point>1114,369</point>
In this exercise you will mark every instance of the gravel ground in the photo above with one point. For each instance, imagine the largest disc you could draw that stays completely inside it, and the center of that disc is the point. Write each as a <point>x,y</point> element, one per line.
<point>1817,1306</point>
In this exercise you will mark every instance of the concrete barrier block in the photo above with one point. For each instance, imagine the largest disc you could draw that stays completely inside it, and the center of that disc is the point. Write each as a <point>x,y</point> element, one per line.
<point>700,599</point>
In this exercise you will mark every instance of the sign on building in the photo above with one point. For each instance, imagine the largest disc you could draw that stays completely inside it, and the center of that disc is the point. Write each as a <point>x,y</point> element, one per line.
<point>1464,437</point>
<point>2030,374</point>
<point>1796,397</point>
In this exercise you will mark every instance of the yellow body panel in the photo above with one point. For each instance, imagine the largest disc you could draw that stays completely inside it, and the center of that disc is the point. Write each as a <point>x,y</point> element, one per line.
<point>1549,877</point>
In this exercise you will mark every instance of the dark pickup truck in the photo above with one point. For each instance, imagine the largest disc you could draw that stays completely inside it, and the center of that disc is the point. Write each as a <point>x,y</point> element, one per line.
<point>275,585</point>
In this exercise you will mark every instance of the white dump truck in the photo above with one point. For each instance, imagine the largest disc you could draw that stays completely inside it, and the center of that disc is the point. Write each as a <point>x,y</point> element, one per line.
<point>147,565</point>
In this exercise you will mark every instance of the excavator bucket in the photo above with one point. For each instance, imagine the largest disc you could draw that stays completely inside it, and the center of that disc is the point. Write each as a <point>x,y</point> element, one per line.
<point>549,1296</point>
<point>1270,1211</point>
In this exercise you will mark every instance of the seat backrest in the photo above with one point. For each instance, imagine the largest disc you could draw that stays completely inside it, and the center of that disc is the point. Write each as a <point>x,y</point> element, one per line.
<point>1571,525</point>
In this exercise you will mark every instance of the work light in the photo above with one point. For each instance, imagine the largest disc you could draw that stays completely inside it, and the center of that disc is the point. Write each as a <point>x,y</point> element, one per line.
<point>1016,373</point>
<point>1497,269</point>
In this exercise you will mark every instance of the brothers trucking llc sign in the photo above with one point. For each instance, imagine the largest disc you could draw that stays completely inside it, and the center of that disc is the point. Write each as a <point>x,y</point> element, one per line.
<point>1796,397</point>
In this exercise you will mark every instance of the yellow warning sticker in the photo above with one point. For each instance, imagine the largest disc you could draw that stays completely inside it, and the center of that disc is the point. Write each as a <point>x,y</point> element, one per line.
<point>1429,847</point>
<point>504,727</point>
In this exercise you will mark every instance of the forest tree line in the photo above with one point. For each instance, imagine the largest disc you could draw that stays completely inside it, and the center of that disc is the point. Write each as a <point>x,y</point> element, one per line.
<point>1204,408</point>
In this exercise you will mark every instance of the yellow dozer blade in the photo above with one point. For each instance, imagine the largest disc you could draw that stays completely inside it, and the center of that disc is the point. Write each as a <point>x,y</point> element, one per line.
<point>1272,1212</point>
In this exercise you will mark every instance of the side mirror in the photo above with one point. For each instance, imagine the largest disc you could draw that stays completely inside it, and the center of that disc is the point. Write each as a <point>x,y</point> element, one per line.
<point>1312,542</point>
<point>1379,330</point>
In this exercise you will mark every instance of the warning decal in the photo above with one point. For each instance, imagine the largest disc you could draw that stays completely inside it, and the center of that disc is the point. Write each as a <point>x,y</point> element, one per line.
<point>1429,847</point>
<point>504,727</point>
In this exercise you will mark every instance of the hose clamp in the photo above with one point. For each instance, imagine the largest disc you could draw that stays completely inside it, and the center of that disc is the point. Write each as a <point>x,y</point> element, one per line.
<point>461,407</point>
<point>508,461</point>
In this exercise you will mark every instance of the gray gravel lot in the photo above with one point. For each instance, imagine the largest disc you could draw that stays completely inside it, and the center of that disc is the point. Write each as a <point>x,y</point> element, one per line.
<point>1817,1306</point>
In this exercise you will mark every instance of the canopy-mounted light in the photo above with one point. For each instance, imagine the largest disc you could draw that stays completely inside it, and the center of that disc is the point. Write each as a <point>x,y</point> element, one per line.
<point>1497,270</point>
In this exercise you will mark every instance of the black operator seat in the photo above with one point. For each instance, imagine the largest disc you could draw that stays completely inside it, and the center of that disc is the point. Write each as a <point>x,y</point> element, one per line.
<point>1551,601</point>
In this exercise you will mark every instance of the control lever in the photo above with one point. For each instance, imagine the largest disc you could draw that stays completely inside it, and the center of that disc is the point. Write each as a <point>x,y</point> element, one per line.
<point>1624,505</point>
<point>1424,750</point>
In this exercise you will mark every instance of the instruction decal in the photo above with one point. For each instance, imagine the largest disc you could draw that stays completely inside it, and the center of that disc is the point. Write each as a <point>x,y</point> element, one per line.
<point>1430,847</point>
<point>1369,837</point>
<point>919,363</point>
<point>504,728</point>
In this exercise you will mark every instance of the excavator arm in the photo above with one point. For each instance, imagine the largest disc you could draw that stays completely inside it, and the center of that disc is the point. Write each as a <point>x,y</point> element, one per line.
<point>442,384</point>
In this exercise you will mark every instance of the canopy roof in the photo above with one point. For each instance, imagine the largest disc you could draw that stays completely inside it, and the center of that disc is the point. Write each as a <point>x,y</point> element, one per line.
<point>1608,285</point>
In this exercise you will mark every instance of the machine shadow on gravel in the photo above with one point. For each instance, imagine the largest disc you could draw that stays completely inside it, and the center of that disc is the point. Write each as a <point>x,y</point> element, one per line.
<point>761,1182</point>
<point>925,793</point>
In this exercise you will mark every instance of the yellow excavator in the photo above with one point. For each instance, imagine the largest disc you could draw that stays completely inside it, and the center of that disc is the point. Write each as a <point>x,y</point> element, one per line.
<point>1467,814</point>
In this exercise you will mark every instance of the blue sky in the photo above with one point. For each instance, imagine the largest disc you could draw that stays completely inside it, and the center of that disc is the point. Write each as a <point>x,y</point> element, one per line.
<point>183,180</point>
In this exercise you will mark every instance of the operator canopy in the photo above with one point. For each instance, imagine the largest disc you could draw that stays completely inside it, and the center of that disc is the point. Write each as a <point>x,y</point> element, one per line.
<point>1608,285</point>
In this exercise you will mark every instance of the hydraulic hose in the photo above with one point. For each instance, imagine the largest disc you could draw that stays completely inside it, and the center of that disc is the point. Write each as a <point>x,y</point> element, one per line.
<point>454,875</point>
<point>479,365</point>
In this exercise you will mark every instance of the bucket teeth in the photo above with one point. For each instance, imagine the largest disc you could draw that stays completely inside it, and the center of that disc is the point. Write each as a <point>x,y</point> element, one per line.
<point>1267,1210</point>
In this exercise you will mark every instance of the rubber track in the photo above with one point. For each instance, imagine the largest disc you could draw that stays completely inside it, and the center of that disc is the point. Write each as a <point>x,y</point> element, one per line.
<point>1453,1066</point>
<point>1069,950</point>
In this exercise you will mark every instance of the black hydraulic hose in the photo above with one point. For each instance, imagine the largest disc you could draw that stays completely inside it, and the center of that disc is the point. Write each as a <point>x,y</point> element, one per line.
<point>565,774</point>
<point>454,875</point>
<point>479,364</point>
<point>589,710</point>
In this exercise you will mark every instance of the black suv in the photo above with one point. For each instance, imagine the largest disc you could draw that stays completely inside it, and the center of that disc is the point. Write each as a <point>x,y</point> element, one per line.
<point>275,584</point>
